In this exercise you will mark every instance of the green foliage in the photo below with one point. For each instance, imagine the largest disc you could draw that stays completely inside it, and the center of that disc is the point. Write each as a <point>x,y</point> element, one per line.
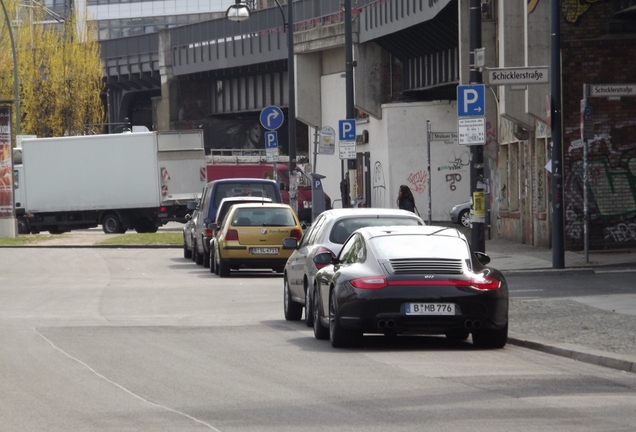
<point>60,72</point>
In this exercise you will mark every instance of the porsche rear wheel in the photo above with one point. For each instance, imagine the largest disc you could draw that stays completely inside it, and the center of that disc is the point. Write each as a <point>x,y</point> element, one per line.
<point>340,337</point>
<point>491,338</point>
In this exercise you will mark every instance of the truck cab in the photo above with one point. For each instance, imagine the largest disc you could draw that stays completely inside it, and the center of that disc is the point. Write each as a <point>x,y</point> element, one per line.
<point>221,166</point>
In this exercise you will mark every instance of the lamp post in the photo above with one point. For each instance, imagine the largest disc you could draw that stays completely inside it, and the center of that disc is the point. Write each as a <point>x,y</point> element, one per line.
<point>16,92</point>
<point>240,11</point>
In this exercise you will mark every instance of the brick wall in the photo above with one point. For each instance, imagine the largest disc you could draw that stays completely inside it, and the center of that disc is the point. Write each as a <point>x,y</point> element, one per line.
<point>591,55</point>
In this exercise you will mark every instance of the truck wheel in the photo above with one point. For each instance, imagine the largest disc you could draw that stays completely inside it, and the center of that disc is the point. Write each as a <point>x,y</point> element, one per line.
<point>23,226</point>
<point>111,224</point>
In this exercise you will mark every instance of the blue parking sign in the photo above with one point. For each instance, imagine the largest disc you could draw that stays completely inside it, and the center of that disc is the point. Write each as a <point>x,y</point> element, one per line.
<point>347,130</point>
<point>271,140</point>
<point>471,100</point>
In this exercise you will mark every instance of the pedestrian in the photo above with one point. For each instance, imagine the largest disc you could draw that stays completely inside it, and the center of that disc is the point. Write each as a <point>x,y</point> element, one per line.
<point>344,191</point>
<point>405,199</point>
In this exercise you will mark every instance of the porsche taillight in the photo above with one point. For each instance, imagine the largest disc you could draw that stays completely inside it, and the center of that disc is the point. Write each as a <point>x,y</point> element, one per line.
<point>484,283</point>
<point>478,282</point>
<point>369,282</point>
<point>231,234</point>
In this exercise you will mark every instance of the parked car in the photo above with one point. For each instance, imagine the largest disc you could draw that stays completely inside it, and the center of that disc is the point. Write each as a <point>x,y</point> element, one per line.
<point>251,236</point>
<point>327,234</point>
<point>422,280</point>
<point>188,228</point>
<point>211,197</point>
<point>460,214</point>
<point>224,208</point>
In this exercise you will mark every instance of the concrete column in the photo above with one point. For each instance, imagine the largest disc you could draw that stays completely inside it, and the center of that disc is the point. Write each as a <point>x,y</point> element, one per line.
<point>165,109</point>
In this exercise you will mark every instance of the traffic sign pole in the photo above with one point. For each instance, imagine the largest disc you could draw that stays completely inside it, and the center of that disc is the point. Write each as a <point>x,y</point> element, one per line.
<point>478,226</point>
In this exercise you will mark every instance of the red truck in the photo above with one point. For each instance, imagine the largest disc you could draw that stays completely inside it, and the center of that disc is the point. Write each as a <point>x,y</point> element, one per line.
<point>255,166</point>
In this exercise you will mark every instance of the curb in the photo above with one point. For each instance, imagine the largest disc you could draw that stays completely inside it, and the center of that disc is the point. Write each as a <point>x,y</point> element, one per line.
<point>622,362</point>
<point>543,271</point>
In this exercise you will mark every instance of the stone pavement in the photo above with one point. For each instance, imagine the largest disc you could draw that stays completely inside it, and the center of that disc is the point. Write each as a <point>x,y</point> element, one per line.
<point>597,329</point>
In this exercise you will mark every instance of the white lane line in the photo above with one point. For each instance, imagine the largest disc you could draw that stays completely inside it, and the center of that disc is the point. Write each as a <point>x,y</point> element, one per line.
<point>599,271</point>
<point>125,389</point>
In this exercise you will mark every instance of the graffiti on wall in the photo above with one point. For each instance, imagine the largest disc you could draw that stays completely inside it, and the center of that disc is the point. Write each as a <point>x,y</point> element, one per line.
<point>611,185</point>
<point>456,162</point>
<point>419,180</point>
<point>452,179</point>
<point>378,185</point>
<point>491,133</point>
<point>540,186</point>
<point>620,233</point>
<point>572,10</point>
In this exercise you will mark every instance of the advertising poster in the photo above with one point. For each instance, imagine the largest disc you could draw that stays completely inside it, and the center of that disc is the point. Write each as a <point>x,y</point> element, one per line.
<point>6,176</point>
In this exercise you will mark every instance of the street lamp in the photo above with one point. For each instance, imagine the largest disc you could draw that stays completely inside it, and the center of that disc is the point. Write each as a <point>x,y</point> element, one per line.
<point>240,11</point>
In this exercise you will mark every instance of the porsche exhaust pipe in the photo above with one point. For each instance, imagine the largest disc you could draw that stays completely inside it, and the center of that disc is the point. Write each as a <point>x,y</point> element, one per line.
<point>386,324</point>
<point>472,324</point>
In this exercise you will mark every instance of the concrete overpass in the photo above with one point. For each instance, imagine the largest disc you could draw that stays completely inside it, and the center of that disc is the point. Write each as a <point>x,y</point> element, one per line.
<point>185,76</point>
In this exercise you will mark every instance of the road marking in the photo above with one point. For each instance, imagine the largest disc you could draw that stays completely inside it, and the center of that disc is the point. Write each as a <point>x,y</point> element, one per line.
<point>124,388</point>
<point>615,271</point>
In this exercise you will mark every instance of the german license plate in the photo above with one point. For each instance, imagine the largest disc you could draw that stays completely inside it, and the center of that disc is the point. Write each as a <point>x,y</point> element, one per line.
<point>430,309</point>
<point>264,251</point>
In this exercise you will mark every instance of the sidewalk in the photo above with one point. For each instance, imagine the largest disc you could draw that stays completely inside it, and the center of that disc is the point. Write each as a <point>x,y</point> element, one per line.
<point>509,257</point>
<point>596,329</point>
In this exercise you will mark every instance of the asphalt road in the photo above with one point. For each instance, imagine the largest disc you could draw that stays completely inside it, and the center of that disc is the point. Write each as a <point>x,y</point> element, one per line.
<point>145,340</point>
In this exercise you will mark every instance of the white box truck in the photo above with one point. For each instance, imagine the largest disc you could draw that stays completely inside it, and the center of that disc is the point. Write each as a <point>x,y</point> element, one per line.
<point>131,180</point>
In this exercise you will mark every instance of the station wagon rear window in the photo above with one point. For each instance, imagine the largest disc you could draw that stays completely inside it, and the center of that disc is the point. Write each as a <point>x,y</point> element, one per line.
<point>266,190</point>
<point>263,216</point>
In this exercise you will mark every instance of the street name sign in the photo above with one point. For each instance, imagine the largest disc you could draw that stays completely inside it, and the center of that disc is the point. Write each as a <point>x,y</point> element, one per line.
<point>518,75</point>
<point>447,137</point>
<point>612,90</point>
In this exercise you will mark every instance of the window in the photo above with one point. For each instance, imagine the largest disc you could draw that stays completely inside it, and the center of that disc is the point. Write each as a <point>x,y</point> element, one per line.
<point>420,246</point>
<point>310,235</point>
<point>351,251</point>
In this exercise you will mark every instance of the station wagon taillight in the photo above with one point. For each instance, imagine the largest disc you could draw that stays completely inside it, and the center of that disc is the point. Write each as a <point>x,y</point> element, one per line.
<point>231,234</point>
<point>209,232</point>
<point>296,233</point>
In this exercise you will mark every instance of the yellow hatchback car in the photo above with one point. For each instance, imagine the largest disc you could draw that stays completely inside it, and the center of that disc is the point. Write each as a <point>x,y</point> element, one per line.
<point>251,236</point>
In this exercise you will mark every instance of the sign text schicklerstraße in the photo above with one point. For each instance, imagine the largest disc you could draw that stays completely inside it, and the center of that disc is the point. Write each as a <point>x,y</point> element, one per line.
<point>518,76</point>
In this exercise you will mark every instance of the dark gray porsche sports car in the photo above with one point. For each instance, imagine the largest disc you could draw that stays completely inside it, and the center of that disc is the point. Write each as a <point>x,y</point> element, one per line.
<point>410,280</point>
